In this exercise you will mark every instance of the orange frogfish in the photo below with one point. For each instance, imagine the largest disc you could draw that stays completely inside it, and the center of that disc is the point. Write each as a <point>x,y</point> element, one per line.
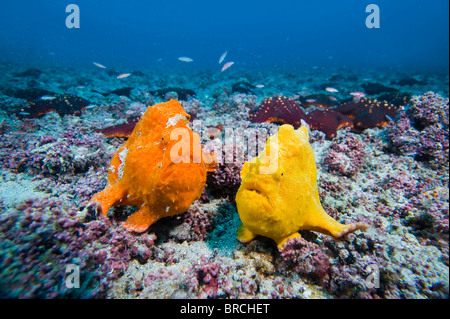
<point>161,168</point>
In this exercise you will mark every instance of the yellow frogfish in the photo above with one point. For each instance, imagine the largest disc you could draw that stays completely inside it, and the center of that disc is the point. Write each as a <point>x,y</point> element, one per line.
<point>161,168</point>
<point>279,195</point>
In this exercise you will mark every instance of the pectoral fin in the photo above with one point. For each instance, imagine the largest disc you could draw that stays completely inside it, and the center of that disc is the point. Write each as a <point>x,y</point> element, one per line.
<point>244,235</point>
<point>140,220</point>
<point>108,197</point>
<point>282,241</point>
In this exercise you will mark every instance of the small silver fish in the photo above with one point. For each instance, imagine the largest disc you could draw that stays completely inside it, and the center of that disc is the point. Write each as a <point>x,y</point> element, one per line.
<point>227,65</point>
<point>100,65</point>
<point>47,97</point>
<point>123,75</point>
<point>389,118</point>
<point>222,57</point>
<point>185,59</point>
<point>331,90</point>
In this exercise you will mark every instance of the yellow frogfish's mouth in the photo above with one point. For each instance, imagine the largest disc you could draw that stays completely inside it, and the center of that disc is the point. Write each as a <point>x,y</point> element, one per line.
<point>256,193</point>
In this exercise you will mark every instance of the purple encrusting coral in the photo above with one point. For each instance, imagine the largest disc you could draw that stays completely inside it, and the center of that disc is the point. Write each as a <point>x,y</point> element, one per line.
<point>394,178</point>
<point>306,258</point>
<point>44,238</point>
<point>422,131</point>
<point>226,179</point>
<point>207,276</point>
<point>73,152</point>
<point>346,155</point>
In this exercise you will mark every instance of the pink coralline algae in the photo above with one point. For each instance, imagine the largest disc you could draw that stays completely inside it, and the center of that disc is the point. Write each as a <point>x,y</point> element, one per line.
<point>401,183</point>
<point>44,236</point>
<point>353,262</point>
<point>305,258</point>
<point>226,179</point>
<point>422,131</point>
<point>239,105</point>
<point>73,152</point>
<point>346,155</point>
<point>196,223</point>
<point>428,109</point>
<point>206,276</point>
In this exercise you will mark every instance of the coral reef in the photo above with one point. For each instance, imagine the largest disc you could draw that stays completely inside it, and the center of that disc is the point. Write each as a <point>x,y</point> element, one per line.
<point>29,94</point>
<point>278,109</point>
<point>394,178</point>
<point>120,130</point>
<point>360,114</point>
<point>43,238</point>
<point>62,104</point>
<point>305,258</point>
<point>422,131</point>
<point>226,179</point>
<point>181,94</point>
<point>320,100</point>
<point>368,112</point>
<point>345,155</point>
<point>373,88</point>
<point>242,87</point>
<point>328,121</point>
<point>125,91</point>
<point>73,152</point>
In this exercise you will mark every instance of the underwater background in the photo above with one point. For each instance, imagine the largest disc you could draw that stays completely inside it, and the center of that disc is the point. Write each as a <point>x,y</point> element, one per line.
<point>257,34</point>
<point>370,82</point>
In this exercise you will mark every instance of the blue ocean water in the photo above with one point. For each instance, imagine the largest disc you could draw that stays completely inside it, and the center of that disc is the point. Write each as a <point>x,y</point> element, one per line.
<point>284,33</point>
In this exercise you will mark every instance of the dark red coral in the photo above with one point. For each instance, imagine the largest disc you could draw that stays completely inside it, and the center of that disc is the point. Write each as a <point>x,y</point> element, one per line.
<point>360,115</point>
<point>120,130</point>
<point>328,121</point>
<point>62,104</point>
<point>368,113</point>
<point>278,109</point>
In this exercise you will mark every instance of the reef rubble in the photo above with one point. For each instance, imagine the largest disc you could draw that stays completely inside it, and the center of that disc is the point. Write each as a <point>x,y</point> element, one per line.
<point>393,177</point>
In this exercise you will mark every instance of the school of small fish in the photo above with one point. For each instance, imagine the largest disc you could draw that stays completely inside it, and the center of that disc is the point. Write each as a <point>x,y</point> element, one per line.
<point>183,59</point>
